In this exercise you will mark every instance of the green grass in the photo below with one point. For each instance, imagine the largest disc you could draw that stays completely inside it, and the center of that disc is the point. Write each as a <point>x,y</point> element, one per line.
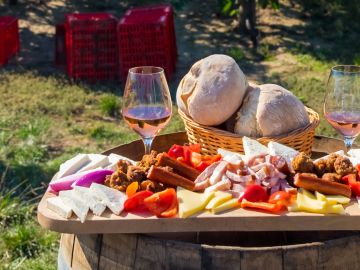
<point>43,122</point>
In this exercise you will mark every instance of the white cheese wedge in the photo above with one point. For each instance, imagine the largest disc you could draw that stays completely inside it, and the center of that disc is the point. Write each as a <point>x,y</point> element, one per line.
<point>96,160</point>
<point>225,153</point>
<point>191,203</point>
<point>253,147</point>
<point>230,204</point>
<point>220,198</point>
<point>113,160</point>
<point>95,205</point>
<point>278,149</point>
<point>78,206</point>
<point>73,165</point>
<point>58,206</point>
<point>355,153</point>
<point>112,198</point>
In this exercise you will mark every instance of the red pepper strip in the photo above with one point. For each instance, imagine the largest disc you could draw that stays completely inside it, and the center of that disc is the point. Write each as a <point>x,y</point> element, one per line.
<point>160,201</point>
<point>137,200</point>
<point>173,209</point>
<point>261,205</point>
<point>176,151</point>
<point>349,178</point>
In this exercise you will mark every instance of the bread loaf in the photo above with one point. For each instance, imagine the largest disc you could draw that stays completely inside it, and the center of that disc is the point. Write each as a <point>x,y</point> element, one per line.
<point>212,90</point>
<point>270,110</point>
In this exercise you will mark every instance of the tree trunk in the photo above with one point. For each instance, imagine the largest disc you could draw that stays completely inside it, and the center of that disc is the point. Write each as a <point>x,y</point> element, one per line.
<point>247,20</point>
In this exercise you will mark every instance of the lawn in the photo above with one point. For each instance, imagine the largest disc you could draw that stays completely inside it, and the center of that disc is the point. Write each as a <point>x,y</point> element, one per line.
<point>45,119</point>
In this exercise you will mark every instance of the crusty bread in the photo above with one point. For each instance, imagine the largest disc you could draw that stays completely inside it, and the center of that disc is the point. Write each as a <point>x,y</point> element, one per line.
<point>270,110</point>
<point>212,90</point>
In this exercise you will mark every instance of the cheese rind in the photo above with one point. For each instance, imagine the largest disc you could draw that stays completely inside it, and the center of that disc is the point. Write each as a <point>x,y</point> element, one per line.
<point>57,205</point>
<point>191,202</point>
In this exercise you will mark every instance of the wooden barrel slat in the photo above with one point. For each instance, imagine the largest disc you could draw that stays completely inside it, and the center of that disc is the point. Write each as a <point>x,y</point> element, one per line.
<point>111,258</point>
<point>225,258</point>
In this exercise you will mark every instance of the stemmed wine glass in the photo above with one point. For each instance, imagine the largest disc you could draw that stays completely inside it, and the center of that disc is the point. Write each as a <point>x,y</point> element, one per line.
<point>147,102</point>
<point>342,102</point>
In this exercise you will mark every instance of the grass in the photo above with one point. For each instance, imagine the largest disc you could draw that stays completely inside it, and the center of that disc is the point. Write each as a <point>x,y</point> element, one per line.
<point>44,121</point>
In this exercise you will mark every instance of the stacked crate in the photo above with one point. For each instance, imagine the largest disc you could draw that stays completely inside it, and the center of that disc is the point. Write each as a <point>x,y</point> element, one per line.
<point>90,46</point>
<point>147,37</point>
<point>9,38</point>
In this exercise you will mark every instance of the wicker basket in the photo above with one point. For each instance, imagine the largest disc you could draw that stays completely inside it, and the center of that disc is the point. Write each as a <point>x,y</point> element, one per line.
<point>212,138</point>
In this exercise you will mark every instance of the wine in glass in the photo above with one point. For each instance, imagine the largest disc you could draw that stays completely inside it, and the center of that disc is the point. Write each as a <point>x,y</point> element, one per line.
<point>147,102</point>
<point>342,102</point>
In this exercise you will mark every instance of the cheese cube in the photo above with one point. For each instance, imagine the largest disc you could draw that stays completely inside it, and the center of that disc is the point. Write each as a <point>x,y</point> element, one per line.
<point>57,205</point>
<point>78,206</point>
<point>112,198</point>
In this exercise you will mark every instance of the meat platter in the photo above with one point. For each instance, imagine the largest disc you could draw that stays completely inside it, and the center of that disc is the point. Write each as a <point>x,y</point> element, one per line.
<point>236,219</point>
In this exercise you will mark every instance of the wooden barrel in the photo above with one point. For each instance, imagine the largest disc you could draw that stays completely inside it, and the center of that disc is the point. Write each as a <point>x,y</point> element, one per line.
<point>230,250</point>
<point>212,250</point>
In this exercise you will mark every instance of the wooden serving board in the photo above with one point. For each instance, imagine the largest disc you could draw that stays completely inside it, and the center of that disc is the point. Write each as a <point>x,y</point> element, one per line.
<point>233,220</point>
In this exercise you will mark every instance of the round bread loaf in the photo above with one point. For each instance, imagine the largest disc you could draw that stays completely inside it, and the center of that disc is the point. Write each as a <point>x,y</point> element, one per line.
<point>270,110</point>
<point>212,90</point>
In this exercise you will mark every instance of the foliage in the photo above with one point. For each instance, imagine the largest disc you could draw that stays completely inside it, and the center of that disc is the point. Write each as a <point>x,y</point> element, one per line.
<point>110,106</point>
<point>231,7</point>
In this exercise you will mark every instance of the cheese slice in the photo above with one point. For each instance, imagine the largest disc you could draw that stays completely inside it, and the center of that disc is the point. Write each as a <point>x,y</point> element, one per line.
<point>73,165</point>
<point>220,198</point>
<point>78,206</point>
<point>95,205</point>
<point>253,147</point>
<point>191,202</point>
<point>112,198</point>
<point>57,205</point>
<point>230,204</point>
<point>96,161</point>
<point>278,149</point>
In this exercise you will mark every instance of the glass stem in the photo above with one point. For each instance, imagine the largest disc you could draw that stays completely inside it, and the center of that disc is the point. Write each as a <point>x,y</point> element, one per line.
<point>348,142</point>
<point>147,144</point>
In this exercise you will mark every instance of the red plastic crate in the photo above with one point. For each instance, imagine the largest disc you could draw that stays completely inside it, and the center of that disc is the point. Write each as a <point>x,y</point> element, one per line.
<point>146,37</point>
<point>162,9</point>
<point>9,38</point>
<point>91,46</point>
<point>60,45</point>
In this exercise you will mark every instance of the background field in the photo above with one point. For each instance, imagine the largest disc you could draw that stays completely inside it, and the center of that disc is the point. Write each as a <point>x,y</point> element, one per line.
<point>45,119</point>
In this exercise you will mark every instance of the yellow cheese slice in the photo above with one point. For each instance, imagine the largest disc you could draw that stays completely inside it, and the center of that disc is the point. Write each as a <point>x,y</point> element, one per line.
<point>332,199</point>
<point>191,203</point>
<point>232,203</point>
<point>220,198</point>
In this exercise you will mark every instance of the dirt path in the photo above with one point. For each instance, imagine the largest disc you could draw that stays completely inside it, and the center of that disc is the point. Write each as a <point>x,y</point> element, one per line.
<point>200,32</point>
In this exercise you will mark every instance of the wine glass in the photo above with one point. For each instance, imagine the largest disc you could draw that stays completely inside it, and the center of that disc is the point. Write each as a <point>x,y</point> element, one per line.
<point>342,102</point>
<point>147,102</point>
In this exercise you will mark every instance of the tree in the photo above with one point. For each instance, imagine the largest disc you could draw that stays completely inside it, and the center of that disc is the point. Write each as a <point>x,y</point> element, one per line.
<point>245,11</point>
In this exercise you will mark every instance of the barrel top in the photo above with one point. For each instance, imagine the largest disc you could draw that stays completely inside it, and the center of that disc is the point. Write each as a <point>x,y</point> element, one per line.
<point>234,220</point>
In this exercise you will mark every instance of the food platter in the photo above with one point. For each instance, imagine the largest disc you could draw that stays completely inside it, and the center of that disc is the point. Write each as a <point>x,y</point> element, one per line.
<point>233,220</point>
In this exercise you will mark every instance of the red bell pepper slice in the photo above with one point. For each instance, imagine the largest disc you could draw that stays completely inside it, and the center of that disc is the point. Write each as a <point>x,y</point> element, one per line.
<point>162,202</point>
<point>176,151</point>
<point>282,198</point>
<point>349,178</point>
<point>137,200</point>
<point>355,188</point>
<point>172,210</point>
<point>194,147</point>
<point>254,193</point>
<point>271,207</point>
